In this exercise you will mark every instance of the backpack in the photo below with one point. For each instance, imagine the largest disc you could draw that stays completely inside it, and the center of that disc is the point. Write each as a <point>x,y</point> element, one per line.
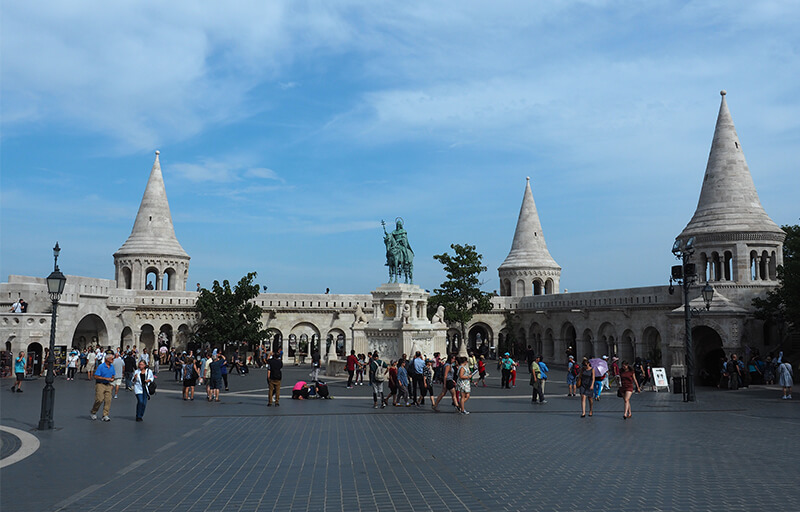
<point>575,370</point>
<point>376,366</point>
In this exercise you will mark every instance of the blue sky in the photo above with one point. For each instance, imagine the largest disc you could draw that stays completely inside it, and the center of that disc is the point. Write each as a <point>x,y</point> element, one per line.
<point>288,130</point>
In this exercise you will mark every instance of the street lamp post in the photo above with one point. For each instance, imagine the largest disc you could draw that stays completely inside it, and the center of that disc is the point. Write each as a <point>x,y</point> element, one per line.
<point>686,274</point>
<point>55,287</point>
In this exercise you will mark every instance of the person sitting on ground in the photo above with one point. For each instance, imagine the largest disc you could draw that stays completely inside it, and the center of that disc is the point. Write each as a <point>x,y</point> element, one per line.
<point>300,391</point>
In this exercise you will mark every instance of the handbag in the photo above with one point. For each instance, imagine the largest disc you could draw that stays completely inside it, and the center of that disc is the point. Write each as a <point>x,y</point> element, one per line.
<point>620,393</point>
<point>578,382</point>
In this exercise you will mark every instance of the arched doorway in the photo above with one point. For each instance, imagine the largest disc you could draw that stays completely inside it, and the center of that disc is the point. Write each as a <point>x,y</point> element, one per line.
<point>148,337</point>
<point>479,338</point>
<point>570,337</point>
<point>709,355</point>
<point>453,341</point>
<point>91,327</point>
<point>275,340</point>
<point>549,345</point>
<point>626,346</point>
<point>652,344</point>
<point>126,338</point>
<point>585,345</point>
<point>34,362</point>
<point>182,339</point>
<point>165,336</point>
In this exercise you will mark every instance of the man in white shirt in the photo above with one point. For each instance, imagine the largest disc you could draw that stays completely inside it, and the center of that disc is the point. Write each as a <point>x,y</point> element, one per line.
<point>119,371</point>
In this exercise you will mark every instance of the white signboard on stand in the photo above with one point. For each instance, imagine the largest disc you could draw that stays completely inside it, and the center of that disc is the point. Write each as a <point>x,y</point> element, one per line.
<point>660,378</point>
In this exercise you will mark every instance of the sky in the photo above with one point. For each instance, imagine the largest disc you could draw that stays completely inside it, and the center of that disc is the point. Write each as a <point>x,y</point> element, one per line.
<point>289,130</point>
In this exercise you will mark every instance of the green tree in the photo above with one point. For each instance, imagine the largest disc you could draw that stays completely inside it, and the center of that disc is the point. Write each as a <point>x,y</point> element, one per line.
<point>460,294</point>
<point>228,315</point>
<point>782,305</point>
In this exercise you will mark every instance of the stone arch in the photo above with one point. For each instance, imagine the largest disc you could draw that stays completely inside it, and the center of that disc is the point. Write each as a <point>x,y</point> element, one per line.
<point>151,278</point>
<point>773,266</point>
<point>167,331</point>
<point>274,340</point>
<point>536,338</point>
<point>549,349</point>
<point>502,342</point>
<point>521,343</point>
<point>606,337</point>
<point>728,265</point>
<point>126,337</point>
<point>183,336</point>
<point>709,355</point>
<point>520,288</point>
<point>34,358</point>
<point>486,337</point>
<point>148,337</point>
<point>453,340</point>
<point>654,350</point>
<point>92,329</point>
<point>549,287</point>
<point>627,346</point>
<point>538,287</point>
<point>170,278</point>
<point>569,335</point>
<point>505,287</point>
<point>585,344</point>
<point>307,336</point>
<point>126,278</point>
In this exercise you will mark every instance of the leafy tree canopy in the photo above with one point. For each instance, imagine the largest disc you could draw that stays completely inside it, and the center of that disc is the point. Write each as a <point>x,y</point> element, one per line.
<point>782,305</point>
<point>228,315</point>
<point>460,294</point>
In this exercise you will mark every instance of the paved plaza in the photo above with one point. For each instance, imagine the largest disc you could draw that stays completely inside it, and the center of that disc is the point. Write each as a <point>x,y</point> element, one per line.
<point>728,451</point>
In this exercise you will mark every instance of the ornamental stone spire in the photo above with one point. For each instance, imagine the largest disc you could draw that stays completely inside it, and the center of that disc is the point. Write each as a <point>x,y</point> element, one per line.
<point>529,268</point>
<point>152,254</point>
<point>734,237</point>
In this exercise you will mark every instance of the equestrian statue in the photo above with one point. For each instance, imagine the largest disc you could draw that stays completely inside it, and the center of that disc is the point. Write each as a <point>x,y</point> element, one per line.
<point>399,256</point>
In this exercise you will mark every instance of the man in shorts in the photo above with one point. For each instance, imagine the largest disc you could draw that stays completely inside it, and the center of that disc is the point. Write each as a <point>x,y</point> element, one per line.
<point>215,378</point>
<point>19,371</point>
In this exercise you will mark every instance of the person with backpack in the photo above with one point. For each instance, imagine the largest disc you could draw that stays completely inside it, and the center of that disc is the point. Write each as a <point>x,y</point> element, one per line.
<point>573,370</point>
<point>377,373</point>
<point>189,378</point>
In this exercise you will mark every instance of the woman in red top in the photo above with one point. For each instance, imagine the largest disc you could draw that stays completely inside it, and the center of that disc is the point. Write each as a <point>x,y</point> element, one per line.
<point>392,383</point>
<point>627,382</point>
<point>482,372</point>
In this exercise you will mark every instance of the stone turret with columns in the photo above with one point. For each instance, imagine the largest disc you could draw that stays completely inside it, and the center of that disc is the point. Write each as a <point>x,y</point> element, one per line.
<point>734,238</point>
<point>529,269</point>
<point>152,247</point>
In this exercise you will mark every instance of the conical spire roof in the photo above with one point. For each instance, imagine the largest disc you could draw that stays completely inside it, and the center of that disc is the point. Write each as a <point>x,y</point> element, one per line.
<point>728,200</point>
<point>153,232</point>
<point>529,250</point>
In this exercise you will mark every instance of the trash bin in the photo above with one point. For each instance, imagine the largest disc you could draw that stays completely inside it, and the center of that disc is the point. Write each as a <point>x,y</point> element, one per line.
<point>677,385</point>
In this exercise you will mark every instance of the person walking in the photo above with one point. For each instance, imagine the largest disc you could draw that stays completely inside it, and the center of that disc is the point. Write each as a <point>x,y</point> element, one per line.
<point>141,378</point>
<point>274,376</point>
<point>72,364</point>
<point>393,383</point>
<point>91,359</point>
<point>119,371</point>
<point>402,380</point>
<point>586,387</point>
<point>84,360</point>
<point>103,376</point>
<point>734,372</point>
<point>427,382</point>
<point>19,372</point>
<point>361,365</point>
<point>464,384</point>
<point>350,366</point>
<point>224,370</point>
<point>316,365</point>
<point>130,368</point>
<point>786,379</point>
<point>419,378</point>
<point>482,371</point>
<point>627,381</point>
<point>448,382</point>
<point>544,371</point>
<point>377,375</point>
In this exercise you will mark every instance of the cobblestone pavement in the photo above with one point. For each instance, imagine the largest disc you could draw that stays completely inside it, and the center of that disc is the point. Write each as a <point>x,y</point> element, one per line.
<point>728,451</point>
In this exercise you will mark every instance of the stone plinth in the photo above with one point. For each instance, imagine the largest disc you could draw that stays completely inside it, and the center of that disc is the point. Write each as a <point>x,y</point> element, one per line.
<point>399,324</point>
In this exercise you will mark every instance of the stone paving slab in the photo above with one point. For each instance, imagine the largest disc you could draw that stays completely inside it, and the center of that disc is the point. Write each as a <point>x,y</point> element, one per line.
<point>341,454</point>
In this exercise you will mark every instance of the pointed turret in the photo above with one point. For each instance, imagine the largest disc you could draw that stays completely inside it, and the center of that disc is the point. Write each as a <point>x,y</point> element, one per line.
<point>728,200</point>
<point>529,267</point>
<point>734,238</point>
<point>152,241</point>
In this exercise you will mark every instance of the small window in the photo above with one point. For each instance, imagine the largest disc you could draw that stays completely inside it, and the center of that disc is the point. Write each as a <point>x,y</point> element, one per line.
<point>736,144</point>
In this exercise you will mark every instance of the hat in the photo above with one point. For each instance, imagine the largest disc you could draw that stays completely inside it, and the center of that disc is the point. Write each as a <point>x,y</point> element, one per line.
<point>572,357</point>
<point>605,357</point>
<point>507,354</point>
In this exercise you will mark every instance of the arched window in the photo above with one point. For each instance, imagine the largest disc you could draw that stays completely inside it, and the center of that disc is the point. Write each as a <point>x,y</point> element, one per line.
<point>520,288</point>
<point>126,278</point>
<point>169,279</point>
<point>728,266</point>
<point>753,266</point>
<point>151,279</point>
<point>764,267</point>
<point>773,266</point>
<point>537,287</point>
<point>548,287</point>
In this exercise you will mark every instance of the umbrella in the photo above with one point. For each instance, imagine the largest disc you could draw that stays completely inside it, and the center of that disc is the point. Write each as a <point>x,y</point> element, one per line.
<point>600,366</point>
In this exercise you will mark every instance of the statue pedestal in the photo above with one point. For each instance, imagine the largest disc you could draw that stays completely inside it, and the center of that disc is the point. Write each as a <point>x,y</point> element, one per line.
<point>399,324</point>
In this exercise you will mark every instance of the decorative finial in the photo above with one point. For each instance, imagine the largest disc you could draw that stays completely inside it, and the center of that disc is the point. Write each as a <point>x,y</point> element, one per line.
<point>528,178</point>
<point>158,152</point>
<point>723,92</point>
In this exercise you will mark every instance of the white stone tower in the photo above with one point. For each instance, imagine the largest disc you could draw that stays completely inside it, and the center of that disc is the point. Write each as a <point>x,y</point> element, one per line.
<point>529,268</point>
<point>152,248</point>
<point>735,240</point>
